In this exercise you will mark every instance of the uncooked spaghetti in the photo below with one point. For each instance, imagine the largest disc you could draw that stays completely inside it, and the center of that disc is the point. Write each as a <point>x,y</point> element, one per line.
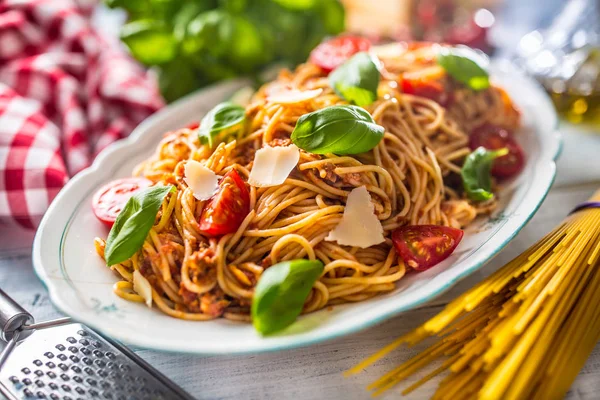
<point>522,333</point>
<point>411,177</point>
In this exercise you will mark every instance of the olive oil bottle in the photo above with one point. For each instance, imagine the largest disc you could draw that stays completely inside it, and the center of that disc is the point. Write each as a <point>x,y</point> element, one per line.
<point>565,59</point>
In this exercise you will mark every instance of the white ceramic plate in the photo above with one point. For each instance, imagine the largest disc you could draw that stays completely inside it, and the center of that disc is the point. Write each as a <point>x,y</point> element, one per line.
<point>81,285</point>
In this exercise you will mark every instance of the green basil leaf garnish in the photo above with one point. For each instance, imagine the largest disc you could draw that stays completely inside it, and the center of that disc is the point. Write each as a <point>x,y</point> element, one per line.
<point>476,173</point>
<point>133,223</point>
<point>224,118</point>
<point>337,129</point>
<point>356,80</point>
<point>281,292</point>
<point>463,69</point>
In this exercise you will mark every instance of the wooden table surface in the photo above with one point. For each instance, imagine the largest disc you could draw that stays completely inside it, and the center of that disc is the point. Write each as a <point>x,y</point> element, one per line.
<point>316,372</point>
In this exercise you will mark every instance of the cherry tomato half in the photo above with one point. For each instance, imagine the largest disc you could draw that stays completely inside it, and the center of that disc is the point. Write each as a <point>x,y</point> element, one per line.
<point>494,137</point>
<point>110,199</point>
<point>429,89</point>
<point>193,125</point>
<point>332,53</point>
<point>423,246</point>
<point>225,211</point>
<point>426,83</point>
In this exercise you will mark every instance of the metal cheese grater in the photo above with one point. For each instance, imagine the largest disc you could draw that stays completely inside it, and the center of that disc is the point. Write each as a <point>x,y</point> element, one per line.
<point>65,360</point>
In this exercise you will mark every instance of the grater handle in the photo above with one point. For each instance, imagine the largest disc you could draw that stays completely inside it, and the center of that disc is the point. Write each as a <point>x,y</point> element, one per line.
<point>12,318</point>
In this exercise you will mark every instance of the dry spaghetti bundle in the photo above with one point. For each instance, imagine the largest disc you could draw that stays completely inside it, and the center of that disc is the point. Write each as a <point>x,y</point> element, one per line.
<point>522,333</point>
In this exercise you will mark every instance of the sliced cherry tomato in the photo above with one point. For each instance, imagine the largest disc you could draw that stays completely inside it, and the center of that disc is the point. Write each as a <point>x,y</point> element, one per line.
<point>423,246</point>
<point>332,53</point>
<point>193,125</point>
<point>429,89</point>
<point>110,199</point>
<point>494,137</point>
<point>427,83</point>
<point>225,211</point>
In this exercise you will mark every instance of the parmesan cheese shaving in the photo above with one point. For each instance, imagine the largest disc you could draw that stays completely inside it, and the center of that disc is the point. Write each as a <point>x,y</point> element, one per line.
<point>142,287</point>
<point>359,225</point>
<point>292,96</point>
<point>272,165</point>
<point>388,50</point>
<point>201,180</point>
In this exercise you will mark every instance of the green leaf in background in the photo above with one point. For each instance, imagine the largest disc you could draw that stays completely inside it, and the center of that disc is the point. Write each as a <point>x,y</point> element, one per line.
<point>476,173</point>
<point>221,39</point>
<point>131,6</point>
<point>184,16</point>
<point>150,42</point>
<point>210,31</point>
<point>176,79</point>
<point>463,68</point>
<point>297,5</point>
<point>224,118</point>
<point>356,80</point>
<point>337,129</point>
<point>281,292</point>
<point>291,30</point>
<point>211,68</point>
<point>234,6</point>
<point>246,48</point>
<point>133,223</point>
<point>332,16</point>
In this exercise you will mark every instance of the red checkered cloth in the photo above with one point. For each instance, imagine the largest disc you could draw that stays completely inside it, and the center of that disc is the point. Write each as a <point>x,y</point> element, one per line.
<point>65,94</point>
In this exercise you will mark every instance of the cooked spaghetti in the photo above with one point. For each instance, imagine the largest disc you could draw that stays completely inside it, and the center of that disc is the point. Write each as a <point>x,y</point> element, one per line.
<point>412,176</point>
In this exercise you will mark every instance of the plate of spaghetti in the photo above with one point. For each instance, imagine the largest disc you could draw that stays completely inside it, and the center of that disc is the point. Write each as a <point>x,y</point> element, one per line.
<point>363,183</point>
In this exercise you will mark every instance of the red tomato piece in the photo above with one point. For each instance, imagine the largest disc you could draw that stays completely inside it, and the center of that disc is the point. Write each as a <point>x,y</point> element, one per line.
<point>225,211</point>
<point>429,89</point>
<point>332,53</point>
<point>423,246</point>
<point>494,137</point>
<point>110,199</point>
<point>427,83</point>
<point>193,125</point>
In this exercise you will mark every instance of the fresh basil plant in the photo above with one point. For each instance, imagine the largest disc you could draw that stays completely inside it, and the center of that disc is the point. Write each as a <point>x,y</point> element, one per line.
<point>338,130</point>
<point>476,173</point>
<point>356,80</point>
<point>463,68</point>
<point>281,292</point>
<point>133,223</point>
<point>224,118</point>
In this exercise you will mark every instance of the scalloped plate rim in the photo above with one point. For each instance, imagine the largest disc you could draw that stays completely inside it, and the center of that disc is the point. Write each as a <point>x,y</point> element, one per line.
<point>294,341</point>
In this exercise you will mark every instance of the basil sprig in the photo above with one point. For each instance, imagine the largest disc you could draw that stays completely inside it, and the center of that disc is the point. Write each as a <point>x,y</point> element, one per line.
<point>356,80</point>
<point>463,68</point>
<point>224,118</point>
<point>133,223</point>
<point>476,173</point>
<point>281,292</point>
<point>337,129</point>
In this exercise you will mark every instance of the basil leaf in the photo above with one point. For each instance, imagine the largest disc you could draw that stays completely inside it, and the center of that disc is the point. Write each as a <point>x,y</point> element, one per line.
<point>337,129</point>
<point>463,68</point>
<point>133,224</point>
<point>225,117</point>
<point>281,292</point>
<point>356,80</point>
<point>476,173</point>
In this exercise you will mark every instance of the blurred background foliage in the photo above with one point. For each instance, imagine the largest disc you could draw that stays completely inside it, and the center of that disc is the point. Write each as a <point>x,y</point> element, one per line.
<point>192,43</point>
